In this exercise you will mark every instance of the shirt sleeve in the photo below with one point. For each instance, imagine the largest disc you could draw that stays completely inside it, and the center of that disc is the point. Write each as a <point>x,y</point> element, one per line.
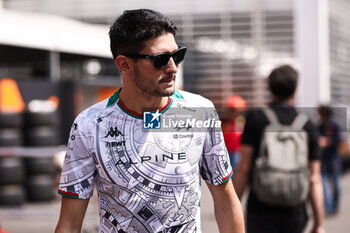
<point>77,177</point>
<point>314,153</point>
<point>250,131</point>
<point>214,165</point>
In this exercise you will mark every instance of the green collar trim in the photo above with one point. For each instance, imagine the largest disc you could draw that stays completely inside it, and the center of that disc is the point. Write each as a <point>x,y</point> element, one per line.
<point>177,95</point>
<point>115,99</point>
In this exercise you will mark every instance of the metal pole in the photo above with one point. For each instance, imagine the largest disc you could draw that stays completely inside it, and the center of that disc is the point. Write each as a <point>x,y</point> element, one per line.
<point>54,66</point>
<point>258,21</point>
<point>312,50</point>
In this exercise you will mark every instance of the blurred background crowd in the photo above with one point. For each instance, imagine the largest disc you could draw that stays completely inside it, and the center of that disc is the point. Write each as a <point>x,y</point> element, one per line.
<point>55,61</point>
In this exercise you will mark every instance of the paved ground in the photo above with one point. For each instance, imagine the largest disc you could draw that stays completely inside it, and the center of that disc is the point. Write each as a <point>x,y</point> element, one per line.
<point>335,224</point>
<point>42,218</point>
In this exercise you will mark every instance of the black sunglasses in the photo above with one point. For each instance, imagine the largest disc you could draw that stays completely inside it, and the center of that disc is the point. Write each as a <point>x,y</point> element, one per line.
<point>161,60</point>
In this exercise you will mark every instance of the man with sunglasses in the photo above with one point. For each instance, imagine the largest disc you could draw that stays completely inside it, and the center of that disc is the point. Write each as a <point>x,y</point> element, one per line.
<point>147,181</point>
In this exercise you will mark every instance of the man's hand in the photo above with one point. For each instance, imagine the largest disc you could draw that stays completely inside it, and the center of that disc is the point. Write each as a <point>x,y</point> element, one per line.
<point>324,141</point>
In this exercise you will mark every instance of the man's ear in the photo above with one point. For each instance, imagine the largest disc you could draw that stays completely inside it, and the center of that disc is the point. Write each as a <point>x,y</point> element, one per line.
<point>124,64</point>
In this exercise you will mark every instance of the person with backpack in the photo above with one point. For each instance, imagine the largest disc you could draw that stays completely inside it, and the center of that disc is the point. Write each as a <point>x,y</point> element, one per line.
<point>280,162</point>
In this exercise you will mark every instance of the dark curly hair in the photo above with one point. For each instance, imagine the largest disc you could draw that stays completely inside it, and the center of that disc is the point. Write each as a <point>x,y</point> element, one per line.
<point>129,32</point>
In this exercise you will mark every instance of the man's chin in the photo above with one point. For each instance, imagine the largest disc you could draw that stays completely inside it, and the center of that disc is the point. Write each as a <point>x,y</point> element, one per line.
<point>166,92</point>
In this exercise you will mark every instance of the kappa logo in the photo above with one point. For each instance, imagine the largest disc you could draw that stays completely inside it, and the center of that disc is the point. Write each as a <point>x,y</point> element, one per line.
<point>114,132</point>
<point>151,120</point>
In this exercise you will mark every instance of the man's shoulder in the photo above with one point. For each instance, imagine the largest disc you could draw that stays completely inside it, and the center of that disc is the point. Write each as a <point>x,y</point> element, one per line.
<point>189,97</point>
<point>287,115</point>
<point>93,111</point>
<point>256,114</point>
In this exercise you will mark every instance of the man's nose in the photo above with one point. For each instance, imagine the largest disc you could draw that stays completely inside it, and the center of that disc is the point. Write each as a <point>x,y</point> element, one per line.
<point>171,66</point>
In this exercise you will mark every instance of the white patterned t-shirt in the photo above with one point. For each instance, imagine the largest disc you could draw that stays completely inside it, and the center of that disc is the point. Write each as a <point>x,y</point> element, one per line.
<point>147,181</point>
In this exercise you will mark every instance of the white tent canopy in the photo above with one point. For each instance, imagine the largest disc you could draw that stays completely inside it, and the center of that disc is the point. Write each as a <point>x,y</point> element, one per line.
<point>53,33</point>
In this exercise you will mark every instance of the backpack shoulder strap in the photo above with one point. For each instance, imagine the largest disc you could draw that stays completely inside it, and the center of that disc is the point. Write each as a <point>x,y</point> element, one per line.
<point>271,116</point>
<point>300,121</point>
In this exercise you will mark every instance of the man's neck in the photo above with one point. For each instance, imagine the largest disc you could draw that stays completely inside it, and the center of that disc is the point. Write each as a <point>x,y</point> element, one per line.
<point>138,101</point>
<point>289,101</point>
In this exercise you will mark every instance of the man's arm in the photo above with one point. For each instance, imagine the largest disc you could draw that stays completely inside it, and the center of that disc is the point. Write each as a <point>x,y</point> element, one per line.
<point>228,209</point>
<point>72,215</point>
<point>243,169</point>
<point>316,196</point>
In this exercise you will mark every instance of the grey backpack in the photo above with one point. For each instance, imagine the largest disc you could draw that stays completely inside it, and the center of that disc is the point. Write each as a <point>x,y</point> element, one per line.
<point>280,172</point>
